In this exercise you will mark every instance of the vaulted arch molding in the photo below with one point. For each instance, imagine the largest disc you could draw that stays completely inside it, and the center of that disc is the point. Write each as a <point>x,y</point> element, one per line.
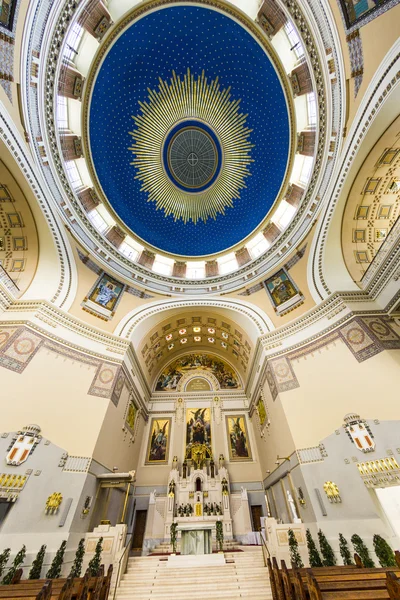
<point>327,272</point>
<point>134,325</point>
<point>56,278</point>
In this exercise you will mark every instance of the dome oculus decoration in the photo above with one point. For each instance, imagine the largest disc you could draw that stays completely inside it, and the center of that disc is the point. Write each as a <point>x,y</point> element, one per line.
<point>208,105</point>
<point>192,148</point>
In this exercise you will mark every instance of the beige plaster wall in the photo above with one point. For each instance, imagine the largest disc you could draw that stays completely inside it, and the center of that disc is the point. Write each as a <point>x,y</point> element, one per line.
<point>52,392</point>
<point>114,447</point>
<point>277,439</point>
<point>333,384</point>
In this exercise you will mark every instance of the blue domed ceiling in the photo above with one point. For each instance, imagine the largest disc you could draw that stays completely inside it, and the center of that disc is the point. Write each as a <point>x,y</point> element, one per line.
<point>189,130</point>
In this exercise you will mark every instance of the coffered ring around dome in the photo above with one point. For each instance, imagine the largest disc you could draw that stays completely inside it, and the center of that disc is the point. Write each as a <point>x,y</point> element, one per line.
<point>196,79</point>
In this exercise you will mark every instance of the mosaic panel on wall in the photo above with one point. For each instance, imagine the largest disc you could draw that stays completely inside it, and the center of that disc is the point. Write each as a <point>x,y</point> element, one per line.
<point>282,291</point>
<point>7,11</point>
<point>172,374</point>
<point>238,439</point>
<point>104,297</point>
<point>158,446</point>
<point>355,11</point>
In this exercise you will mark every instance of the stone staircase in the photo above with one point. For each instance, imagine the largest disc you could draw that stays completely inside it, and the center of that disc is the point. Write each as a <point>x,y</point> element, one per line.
<point>242,576</point>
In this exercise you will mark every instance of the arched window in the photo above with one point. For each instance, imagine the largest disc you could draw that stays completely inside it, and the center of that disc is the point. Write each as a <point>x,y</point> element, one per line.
<point>198,484</point>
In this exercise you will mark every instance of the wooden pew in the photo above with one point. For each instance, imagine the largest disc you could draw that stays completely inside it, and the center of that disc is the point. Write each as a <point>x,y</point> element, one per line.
<point>393,585</point>
<point>86,588</point>
<point>335,582</point>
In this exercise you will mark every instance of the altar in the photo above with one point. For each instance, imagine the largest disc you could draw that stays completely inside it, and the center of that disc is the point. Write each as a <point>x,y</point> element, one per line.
<point>196,538</point>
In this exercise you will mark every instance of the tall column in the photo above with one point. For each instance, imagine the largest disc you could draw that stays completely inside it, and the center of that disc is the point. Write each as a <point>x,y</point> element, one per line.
<point>271,232</point>
<point>306,143</point>
<point>95,19</point>
<point>294,194</point>
<point>146,259</point>
<point>70,83</point>
<point>212,268</point>
<point>71,146</point>
<point>116,236</point>
<point>271,18</point>
<point>88,198</point>
<point>301,80</point>
<point>242,256</point>
<point>179,269</point>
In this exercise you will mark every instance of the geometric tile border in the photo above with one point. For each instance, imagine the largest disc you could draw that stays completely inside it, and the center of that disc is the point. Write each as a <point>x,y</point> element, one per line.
<point>18,346</point>
<point>363,336</point>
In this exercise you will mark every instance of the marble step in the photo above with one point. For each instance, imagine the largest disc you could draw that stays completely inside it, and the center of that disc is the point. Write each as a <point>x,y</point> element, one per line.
<point>184,586</point>
<point>217,596</point>
<point>198,594</point>
<point>262,577</point>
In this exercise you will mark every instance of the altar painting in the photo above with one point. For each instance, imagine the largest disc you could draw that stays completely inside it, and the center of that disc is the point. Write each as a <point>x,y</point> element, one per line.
<point>198,426</point>
<point>280,288</point>
<point>157,450</point>
<point>106,292</point>
<point>238,439</point>
<point>171,375</point>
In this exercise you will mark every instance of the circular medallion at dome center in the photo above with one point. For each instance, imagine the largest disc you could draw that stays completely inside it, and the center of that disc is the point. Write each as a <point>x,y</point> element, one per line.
<point>192,158</point>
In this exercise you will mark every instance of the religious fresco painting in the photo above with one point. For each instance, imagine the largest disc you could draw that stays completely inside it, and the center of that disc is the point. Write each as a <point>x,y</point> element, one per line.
<point>172,374</point>
<point>238,439</point>
<point>356,10</point>
<point>158,447</point>
<point>198,426</point>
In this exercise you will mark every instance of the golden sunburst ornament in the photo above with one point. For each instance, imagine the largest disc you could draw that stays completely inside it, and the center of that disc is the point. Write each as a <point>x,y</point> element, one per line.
<point>191,147</point>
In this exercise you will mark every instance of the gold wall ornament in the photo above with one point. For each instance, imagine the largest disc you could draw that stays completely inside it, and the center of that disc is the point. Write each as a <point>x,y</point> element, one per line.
<point>198,453</point>
<point>332,491</point>
<point>191,99</point>
<point>383,472</point>
<point>11,485</point>
<point>53,503</point>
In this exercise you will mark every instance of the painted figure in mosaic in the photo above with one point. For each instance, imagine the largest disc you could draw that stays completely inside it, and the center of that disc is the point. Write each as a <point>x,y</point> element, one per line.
<point>106,293</point>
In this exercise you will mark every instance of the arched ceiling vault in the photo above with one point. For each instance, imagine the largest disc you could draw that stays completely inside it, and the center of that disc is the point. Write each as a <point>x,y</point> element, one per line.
<point>373,205</point>
<point>226,328</point>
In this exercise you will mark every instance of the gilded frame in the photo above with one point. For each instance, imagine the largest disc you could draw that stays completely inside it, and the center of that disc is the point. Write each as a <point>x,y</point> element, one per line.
<point>164,461</point>
<point>233,458</point>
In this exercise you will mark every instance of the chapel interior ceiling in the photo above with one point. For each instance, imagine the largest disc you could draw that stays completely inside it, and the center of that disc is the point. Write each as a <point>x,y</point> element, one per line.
<point>19,247</point>
<point>200,332</point>
<point>176,211</point>
<point>373,205</point>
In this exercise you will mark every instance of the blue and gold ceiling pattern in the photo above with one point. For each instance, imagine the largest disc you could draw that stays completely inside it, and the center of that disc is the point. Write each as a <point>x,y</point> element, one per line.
<point>241,173</point>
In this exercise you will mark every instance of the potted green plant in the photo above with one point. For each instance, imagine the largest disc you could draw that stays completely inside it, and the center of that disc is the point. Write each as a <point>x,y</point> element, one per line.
<point>174,537</point>
<point>220,535</point>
